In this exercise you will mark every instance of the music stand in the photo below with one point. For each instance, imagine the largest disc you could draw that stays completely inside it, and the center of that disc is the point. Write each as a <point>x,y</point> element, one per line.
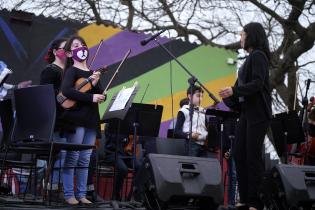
<point>140,120</point>
<point>116,117</point>
<point>286,129</point>
<point>222,116</point>
<point>147,116</point>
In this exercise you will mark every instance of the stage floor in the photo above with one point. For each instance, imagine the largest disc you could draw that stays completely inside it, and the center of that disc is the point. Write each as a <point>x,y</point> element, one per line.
<point>9,203</point>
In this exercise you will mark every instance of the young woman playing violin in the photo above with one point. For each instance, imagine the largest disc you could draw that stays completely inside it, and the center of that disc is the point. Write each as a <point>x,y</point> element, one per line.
<point>82,120</point>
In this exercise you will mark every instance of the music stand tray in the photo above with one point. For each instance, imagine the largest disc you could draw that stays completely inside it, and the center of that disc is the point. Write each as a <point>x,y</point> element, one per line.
<point>286,129</point>
<point>147,116</point>
<point>119,114</point>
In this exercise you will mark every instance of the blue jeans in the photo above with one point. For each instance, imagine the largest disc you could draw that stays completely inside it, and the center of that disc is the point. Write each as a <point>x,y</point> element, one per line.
<point>231,181</point>
<point>80,159</point>
<point>56,176</point>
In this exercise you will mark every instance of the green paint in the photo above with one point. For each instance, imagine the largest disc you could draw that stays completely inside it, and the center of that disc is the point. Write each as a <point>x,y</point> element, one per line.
<point>206,63</point>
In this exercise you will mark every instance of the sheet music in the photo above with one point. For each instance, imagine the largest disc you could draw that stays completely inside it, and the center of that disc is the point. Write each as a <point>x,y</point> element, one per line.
<point>122,98</point>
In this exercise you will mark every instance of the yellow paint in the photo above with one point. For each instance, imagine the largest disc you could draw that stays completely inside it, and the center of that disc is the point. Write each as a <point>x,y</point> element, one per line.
<point>94,33</point>
<point>214,86</point>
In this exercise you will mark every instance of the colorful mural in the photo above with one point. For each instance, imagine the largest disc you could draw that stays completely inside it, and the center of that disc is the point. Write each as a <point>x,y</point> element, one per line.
<point>23,48</point>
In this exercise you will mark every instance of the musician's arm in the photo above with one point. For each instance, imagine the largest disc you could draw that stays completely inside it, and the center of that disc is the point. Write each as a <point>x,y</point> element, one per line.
<point>98,88</point>
<point>9,86</point>
<point>178,132</point>
<point>70,92</point>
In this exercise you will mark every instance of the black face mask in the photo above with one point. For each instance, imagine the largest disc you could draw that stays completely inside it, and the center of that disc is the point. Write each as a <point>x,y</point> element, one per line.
<point>311,130</point>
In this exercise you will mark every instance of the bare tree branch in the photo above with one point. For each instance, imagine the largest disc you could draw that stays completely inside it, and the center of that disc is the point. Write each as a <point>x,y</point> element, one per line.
<point>290,25</point>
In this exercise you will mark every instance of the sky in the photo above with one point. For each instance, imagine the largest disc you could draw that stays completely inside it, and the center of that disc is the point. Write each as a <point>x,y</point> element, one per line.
<point>226,17</point>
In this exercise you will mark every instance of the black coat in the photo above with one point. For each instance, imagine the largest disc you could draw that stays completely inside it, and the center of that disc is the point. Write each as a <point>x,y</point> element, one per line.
<point>254,88</point>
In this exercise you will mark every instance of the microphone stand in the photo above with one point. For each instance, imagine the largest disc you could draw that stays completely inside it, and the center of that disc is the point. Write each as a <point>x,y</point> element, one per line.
<point>192,80</point>
<point>303,114</point>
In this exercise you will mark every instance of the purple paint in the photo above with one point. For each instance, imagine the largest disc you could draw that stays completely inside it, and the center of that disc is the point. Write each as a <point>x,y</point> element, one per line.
<point>114,48</point>
<point>163,128</point>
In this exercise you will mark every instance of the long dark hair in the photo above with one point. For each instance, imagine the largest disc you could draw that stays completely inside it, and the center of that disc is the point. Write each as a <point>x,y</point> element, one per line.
<point>50,57</point>
<point>256,38</point>
<point>68,48</point>
<point>70,41</point>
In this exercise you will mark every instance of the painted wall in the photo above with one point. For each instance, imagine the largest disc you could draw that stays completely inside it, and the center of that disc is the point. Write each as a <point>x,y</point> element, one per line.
<point>23,46</point>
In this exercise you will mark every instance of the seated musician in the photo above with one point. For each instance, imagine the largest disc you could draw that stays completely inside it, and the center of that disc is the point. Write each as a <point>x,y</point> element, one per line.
<point>311,104</point>
<point>196,147</point>
<point>311,123</point>
<point>5,87</point>
<point>310,158</point>
<point>124,159</point>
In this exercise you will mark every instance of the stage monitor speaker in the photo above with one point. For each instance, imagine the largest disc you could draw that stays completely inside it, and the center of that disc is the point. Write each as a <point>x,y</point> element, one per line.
<point>289,187</point>
<point>171,181</point>
<point>167,146</point>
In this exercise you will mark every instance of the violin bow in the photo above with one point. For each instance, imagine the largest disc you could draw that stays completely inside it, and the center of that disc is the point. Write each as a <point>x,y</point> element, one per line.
<point>97,50</point>
<point>118,68</point>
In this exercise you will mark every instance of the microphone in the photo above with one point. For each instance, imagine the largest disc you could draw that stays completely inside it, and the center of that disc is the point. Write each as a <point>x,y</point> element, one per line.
<point>149,39</point>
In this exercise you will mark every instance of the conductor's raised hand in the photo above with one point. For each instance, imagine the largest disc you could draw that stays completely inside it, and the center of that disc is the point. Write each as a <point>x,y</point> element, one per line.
<point>226,92</point>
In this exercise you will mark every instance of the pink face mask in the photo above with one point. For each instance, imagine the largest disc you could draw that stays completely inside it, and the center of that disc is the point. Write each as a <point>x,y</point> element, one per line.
<point>61,54</point>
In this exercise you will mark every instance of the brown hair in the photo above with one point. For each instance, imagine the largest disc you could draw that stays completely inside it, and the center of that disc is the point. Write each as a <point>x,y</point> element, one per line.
<point>70,41</point>
<point>50,57</point>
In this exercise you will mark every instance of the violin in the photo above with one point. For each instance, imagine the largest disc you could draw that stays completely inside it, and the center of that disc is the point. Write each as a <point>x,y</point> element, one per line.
<point>83,85</point>
<point>128,148</point>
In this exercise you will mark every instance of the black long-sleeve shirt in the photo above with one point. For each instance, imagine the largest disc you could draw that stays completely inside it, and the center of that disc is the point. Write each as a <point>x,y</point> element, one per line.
<point>178,132</point>
<point>255,88</point>
<point>85,113</point>
<point>52,74</point>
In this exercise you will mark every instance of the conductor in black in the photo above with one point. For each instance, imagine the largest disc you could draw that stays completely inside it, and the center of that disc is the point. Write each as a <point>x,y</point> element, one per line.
<point>251,96</point>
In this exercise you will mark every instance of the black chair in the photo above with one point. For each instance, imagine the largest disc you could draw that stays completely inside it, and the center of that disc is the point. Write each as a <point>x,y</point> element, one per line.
<point>7,119</point>
<point>34,126</point>
<point>6,116</point>
<point>11,159</point>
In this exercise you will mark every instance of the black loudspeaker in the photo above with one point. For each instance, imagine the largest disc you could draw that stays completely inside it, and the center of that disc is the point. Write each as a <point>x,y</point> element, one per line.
<point>179,182</point>
<point>165,146</point>
<point>289,187</point>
